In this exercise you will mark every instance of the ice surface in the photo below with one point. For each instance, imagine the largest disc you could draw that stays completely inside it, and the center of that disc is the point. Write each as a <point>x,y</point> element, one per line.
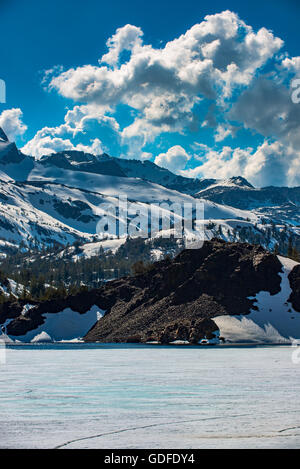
<point>108,396</point>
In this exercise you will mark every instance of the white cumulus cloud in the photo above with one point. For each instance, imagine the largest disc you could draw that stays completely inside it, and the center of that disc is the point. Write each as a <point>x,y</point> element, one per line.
<point>272,163</point>
<point>11,121</point>
<point>80,121</point>
<point>220,61</point>
<point>163,85</point>
<point>175,159</point>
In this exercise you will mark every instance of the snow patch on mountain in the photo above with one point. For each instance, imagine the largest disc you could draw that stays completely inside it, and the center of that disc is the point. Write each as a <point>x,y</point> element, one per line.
<point>43,337</point>
<point>92,249</point>
<point>274,322</point>
<point>65,325</point>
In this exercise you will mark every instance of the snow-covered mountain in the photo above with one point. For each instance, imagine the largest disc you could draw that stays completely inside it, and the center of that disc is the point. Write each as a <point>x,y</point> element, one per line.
<point>58,198</point>
<point>280,203</point>
<point>9,153</point>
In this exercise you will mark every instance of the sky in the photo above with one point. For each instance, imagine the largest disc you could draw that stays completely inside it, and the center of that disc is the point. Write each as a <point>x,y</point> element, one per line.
<point>201,88</point>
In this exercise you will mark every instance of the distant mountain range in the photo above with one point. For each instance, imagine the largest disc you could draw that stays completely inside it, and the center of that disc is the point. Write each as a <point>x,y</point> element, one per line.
<point>57,199</point>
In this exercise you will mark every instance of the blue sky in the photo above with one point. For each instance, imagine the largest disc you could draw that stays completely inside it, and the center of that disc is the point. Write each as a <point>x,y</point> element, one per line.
<point>214,102</point>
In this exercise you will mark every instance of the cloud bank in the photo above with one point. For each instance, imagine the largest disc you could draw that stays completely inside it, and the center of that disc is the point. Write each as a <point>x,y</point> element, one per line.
<point>214,84</point>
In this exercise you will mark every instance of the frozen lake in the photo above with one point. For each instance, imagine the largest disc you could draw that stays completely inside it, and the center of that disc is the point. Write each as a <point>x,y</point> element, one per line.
<point>108,396</point>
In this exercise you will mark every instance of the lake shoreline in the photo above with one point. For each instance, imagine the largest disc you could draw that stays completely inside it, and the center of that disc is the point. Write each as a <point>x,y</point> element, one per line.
<point>124,345</point>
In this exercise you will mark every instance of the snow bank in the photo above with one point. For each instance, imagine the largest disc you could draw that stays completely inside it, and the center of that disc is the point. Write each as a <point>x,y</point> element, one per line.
<point>274,322</point>
<point>41,338</point>
<point>92,249</point>
<point>62,326</point>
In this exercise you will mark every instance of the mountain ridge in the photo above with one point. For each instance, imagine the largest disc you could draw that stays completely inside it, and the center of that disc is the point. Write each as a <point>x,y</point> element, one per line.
<point>58,196</point>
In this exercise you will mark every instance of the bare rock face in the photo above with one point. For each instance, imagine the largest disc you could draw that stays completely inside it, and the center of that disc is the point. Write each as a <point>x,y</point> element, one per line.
<point>294,278</point>
<point>174,300</point>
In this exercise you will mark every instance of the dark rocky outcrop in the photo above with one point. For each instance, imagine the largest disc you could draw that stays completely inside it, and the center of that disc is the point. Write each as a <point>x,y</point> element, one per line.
<point>173,300</point>
<point>176,300</point>
<point>294,278</point>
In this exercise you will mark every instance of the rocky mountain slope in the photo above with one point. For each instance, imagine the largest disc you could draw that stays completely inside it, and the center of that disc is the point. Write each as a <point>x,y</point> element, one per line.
<point>232,292</point>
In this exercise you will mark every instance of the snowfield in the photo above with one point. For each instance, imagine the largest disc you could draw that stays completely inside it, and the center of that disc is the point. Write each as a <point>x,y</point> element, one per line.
<point>59,197</point>
<point>54,212</point>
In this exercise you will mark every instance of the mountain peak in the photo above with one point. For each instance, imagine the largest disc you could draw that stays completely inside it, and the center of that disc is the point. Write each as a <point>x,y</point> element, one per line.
<point>3,136</point>
<point>8,150</point>
<point>86,162</point>
<point>240,181</point>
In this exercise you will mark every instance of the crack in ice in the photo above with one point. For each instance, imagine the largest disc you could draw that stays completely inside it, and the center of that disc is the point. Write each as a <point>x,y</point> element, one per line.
<point>99,435</point>
<point>289,428</point>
